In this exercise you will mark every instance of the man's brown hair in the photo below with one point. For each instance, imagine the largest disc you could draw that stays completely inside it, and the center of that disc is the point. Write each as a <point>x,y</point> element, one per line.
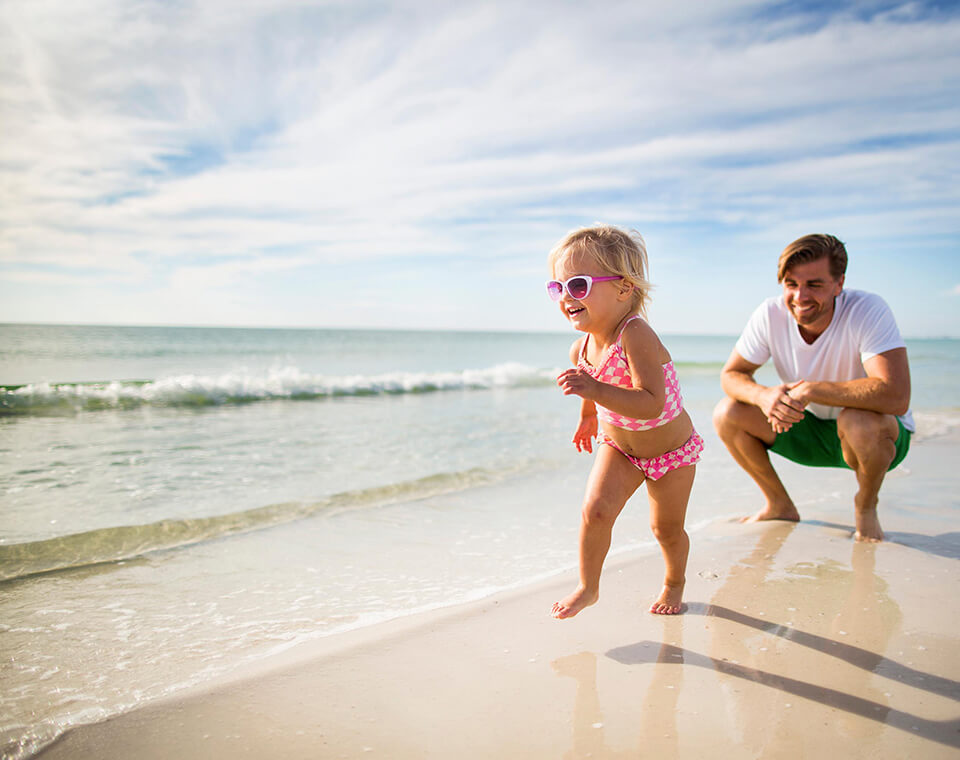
<point>811,248</point>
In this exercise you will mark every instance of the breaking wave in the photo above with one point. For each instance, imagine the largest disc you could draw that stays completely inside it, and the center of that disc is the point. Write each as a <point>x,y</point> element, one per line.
<point>240,388</point>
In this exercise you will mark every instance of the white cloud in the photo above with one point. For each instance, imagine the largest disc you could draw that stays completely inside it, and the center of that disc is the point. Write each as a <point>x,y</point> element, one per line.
<point>337,130</point>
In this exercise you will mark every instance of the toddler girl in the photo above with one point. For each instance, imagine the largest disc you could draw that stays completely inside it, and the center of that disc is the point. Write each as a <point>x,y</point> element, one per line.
<point>625,377</point>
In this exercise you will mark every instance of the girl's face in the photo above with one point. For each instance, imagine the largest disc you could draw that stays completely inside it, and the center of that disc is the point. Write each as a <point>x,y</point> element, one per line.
<point>603,306</point>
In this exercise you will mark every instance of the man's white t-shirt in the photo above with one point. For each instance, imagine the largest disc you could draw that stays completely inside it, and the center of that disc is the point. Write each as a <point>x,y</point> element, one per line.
<point>862,327</point>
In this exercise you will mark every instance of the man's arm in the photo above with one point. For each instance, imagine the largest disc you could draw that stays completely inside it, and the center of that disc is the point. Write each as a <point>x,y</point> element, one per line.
<point>885,389</point>
<point>780,409</point>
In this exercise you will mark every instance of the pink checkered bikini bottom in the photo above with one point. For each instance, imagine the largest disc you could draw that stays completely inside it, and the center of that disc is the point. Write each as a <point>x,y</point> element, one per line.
<point>656,467</point>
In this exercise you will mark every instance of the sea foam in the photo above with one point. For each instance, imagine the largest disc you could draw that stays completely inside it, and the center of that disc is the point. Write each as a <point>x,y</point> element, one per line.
<point>287,383</point>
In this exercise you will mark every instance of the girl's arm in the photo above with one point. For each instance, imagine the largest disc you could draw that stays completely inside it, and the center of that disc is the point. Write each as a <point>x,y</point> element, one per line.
<point>645,355</point>
<point>575,351</point>
<point>587,427</point>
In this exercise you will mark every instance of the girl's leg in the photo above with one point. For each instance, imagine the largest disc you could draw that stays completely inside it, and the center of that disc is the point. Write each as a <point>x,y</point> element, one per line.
<point>612,481</point>
<point>668,509</point>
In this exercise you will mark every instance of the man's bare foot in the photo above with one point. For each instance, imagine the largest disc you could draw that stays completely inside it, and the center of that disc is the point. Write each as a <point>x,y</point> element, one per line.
<point>785,512</point>
<point>669,601</point>
<point>571,605</point>
<point>868,527</point>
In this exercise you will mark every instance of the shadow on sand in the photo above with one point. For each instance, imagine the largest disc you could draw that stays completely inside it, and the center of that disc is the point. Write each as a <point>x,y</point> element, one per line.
<point>945,732</point>
<point>945,545</point>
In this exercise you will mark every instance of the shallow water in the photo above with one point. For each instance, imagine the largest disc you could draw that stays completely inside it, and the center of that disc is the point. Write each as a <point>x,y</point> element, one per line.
<point>177,501</point>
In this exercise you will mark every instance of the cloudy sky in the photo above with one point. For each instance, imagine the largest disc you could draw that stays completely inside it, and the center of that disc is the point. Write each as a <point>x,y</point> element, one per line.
<point>410,163</point>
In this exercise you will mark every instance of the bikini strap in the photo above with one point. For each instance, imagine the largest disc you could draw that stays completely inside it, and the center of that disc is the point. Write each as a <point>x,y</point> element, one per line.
<point>620,336</point>
<point>609,351</point>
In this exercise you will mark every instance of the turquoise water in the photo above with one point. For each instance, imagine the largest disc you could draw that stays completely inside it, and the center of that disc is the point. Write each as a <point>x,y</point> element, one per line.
<point>177,501</point>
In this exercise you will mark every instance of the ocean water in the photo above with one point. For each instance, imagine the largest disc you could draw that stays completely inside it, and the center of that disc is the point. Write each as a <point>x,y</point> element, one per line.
<point>180,501</point>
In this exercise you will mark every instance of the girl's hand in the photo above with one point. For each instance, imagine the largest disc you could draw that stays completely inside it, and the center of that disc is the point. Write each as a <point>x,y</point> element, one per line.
<point>586,432</point>
<point>577,382</point>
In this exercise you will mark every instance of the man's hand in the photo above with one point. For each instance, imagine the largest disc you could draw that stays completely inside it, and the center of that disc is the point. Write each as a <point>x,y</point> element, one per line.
<point>780,408</point>
<point>802,391</point>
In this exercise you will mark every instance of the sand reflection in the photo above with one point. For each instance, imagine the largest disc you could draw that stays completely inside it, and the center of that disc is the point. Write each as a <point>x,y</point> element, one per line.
<point>656,709</point>
<point>776,629</point>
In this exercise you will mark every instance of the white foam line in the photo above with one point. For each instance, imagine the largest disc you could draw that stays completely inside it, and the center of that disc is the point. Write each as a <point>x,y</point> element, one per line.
<point>285,383</point>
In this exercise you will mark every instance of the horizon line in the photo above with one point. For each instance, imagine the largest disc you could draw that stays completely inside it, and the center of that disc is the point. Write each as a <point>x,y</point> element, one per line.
<point>503,331</point>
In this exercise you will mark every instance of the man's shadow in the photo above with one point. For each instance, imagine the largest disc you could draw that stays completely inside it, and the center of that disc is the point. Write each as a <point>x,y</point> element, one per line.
<point>945,732</point>
<point>856,656</point>
<point>945,545</point>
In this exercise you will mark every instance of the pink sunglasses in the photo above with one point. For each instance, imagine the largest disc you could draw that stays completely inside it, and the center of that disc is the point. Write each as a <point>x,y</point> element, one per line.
<point>578,287</point>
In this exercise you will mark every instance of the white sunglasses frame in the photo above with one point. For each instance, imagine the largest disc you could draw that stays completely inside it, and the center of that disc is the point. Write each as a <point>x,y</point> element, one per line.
<point>564,289</point>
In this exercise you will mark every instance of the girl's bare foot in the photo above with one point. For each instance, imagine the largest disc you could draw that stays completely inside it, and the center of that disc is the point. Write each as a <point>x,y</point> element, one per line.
<point>669,602</point>
<point>571,605</point>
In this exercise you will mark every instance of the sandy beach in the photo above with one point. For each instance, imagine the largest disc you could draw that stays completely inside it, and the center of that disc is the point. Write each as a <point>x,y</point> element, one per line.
<point>796,642</point>
<point>303,309</point>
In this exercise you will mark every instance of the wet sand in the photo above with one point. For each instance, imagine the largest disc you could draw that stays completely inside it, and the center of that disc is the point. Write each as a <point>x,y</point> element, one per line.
<point>796,642</point>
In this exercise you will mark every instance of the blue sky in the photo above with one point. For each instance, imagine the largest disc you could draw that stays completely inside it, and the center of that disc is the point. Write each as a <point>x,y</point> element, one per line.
<point>409,164</point>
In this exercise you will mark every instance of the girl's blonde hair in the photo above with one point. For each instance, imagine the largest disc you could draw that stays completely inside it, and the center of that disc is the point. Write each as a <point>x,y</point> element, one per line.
<point>614,251</point>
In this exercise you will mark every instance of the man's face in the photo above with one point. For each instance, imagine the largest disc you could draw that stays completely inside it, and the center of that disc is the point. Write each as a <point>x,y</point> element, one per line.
<point>808,291</point>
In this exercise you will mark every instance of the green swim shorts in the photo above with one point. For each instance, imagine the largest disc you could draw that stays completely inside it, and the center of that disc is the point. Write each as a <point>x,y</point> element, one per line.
<point>814,442</point>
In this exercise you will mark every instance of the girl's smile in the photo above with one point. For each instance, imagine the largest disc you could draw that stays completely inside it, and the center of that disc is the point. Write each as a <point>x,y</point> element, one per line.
<point>601,308</point>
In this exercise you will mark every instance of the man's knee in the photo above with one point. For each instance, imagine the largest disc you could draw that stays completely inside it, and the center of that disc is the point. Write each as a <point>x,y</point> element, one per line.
<point>731,417</point>
<point>725,414</point>
<point>866,435</point>
<point>862,426</point>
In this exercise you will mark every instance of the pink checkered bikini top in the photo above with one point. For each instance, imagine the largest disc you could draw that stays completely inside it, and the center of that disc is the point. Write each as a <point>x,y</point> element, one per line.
<point>615,370</point>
